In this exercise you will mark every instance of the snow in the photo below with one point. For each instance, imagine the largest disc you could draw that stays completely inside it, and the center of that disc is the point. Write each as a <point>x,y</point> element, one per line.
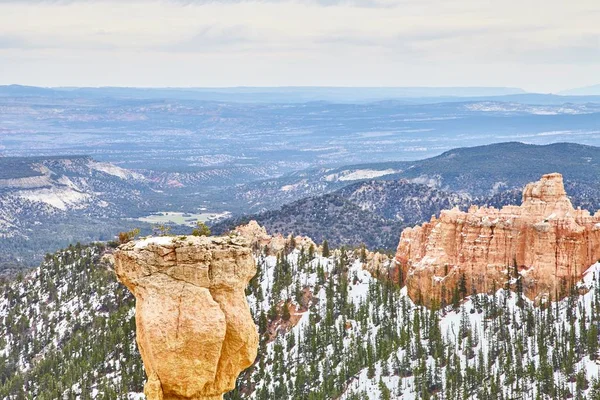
<point>64,180</point>
<point>26,183</point>
<point>62,198</point>
<point>288,188</point>
<point>591,274</point>
<point>112,169</point>
<point>510,108</point>
<point>157,240</point>
<point>359,291</point>
<point>450,322</point>
<point>366,174</point>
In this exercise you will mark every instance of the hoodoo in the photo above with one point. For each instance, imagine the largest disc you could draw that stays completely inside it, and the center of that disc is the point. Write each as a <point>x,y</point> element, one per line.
<point>540,247</point>
<point>194,328</point>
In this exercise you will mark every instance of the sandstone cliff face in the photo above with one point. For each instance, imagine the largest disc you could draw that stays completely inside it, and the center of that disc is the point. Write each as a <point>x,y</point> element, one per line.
<point>545,240</point>
<point>194,328</point>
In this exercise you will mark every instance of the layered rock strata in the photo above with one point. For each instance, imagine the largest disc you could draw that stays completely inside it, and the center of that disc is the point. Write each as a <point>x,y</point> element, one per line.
<point>194,328</point>
<point>540,247</point>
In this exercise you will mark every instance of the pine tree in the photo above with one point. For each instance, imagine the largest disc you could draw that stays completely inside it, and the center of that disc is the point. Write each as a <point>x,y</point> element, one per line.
<point>325,248</point>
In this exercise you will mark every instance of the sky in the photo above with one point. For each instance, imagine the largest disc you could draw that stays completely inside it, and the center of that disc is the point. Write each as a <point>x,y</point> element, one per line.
<point>541,46</point>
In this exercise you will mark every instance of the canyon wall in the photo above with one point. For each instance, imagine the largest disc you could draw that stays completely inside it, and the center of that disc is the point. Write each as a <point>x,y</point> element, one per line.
<point>540,247</point>
<point>194,328</point>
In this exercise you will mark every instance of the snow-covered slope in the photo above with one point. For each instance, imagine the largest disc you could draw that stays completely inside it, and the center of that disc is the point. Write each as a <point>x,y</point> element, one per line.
<point>67,328</point>
<point>329,330</point>
<point>48,202</point>
<point>69,183</point>
<point>374,342</point>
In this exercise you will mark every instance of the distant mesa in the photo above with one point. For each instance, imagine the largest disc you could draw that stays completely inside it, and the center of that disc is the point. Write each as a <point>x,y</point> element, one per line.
<point>193,323</point>
<point>593,90</point>
<point>540,248</point>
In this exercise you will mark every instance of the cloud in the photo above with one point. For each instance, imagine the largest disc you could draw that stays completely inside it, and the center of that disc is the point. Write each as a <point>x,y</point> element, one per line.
<point>583,49</point>
<point>335,41</point>
<point>325,3</point>
<point>213,37</point>
<point>12,42</point>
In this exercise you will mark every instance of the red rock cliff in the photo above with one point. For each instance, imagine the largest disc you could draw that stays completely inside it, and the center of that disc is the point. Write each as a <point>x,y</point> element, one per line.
<point>548,242</point>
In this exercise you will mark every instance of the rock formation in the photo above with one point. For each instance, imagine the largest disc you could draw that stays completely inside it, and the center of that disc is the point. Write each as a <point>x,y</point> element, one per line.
<point>194,328</point>
<point>260,239</point>
<point>542,246</point>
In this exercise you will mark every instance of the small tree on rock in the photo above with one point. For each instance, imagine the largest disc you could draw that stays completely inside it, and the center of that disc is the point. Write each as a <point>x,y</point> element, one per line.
<point>125,237</point>
<point>201,229</point>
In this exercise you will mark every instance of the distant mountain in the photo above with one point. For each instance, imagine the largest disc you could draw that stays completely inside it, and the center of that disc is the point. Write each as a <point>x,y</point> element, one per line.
<point>475,171</point>
<point>308,94</point>
<point>484,170</point>
<point>392,196</point>
<point>329,216</point>
<point>49,202</point>
<point>293,94</point>
<point>593,90</point>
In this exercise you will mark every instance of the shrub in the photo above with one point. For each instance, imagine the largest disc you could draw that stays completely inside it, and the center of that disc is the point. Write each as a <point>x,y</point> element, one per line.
<point>125,237</point>
<point>201,229</point>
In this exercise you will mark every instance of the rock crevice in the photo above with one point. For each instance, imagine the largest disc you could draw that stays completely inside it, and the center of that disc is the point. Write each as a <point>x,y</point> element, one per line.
<point>544,243</point>
<point>194,328</point>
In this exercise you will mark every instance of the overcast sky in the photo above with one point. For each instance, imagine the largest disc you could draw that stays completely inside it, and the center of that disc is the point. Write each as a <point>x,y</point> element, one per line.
<point>538,45</point>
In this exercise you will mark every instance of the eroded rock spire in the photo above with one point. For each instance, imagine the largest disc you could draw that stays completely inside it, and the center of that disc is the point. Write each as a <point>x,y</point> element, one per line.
<point>194,328</point>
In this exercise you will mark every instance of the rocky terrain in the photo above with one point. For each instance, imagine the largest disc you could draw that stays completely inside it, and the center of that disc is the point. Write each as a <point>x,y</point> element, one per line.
<point>541,248</point>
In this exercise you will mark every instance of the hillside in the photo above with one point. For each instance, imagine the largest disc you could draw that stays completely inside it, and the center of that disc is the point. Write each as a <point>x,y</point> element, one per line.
<point>371,213</point>
<point>593,90</point>
<point>330,216</point>
<point>476,171</point>
<point>49,202</point>
<point>67,330</point>
<point>402,201</point>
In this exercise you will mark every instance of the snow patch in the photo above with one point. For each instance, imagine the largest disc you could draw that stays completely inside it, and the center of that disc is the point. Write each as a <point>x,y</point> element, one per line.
<point>61,198</point>
<point>366,174</point>
<point>158,240</point>
<point>113,170</point>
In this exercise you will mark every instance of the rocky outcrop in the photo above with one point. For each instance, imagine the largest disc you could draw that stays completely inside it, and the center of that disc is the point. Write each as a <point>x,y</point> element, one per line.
<point>194,328</point>
<point>261,240</point>
<point>541,246</point>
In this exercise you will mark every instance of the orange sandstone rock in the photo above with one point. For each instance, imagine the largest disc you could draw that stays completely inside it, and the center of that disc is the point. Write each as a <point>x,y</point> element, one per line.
<point>544,242</point>
<point>194,328</point>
